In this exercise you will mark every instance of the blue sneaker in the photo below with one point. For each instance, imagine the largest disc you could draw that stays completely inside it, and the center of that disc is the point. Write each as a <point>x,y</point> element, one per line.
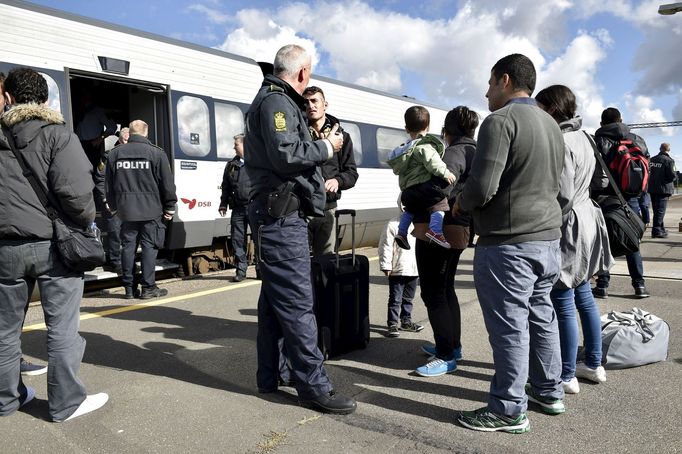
<point>436,367</point>
<point>430,350</point>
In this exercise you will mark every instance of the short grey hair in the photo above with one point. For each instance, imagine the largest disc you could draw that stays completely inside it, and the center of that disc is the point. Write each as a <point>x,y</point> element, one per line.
<point>239,137</point>
<point>290,59</point>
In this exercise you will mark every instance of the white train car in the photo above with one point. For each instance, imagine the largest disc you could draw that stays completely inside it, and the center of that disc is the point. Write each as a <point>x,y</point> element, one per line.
<point>194,99</point>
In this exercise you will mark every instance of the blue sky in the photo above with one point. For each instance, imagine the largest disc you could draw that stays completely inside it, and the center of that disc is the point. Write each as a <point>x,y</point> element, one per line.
<point>611,53</point>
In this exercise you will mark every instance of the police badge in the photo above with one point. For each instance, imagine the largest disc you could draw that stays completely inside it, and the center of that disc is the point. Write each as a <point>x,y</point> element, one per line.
<point>280,122</point>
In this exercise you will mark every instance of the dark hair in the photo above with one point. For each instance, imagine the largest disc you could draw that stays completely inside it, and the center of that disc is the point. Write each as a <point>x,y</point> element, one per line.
<point>310,91</point>
<point>461,121</point>
<point>520,70</point>
<point>2,77</point>
<point>610,115</point>
<point>26,85</point>
<point>559,102</point>
<point>417,119</point>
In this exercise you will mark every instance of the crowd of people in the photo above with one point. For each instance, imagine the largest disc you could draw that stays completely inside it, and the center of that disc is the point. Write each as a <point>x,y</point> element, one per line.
<point>530,184</point>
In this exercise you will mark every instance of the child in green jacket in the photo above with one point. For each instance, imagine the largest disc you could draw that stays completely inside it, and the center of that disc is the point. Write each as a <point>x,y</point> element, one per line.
<point>423,177</point>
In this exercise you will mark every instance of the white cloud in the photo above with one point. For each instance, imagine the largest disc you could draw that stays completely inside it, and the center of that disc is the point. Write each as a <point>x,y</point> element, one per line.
<point>212,14</point>
<point>643,111</point>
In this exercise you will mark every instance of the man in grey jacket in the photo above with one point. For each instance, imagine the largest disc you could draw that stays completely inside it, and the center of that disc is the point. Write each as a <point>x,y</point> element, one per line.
<point>512,190</point>
<point>27,254</point>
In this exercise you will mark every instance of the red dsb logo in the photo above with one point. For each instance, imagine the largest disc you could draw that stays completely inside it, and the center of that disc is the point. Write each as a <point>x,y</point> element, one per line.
<point>191,203</point>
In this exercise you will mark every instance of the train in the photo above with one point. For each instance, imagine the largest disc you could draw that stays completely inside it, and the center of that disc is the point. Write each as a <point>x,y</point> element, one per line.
<point>194,99</point>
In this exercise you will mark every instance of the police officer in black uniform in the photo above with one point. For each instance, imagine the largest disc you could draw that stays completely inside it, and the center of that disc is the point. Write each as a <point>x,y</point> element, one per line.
<point>140,189</point>
<point>286,186</point>
<point>661,187</point>
<point>235,194</point>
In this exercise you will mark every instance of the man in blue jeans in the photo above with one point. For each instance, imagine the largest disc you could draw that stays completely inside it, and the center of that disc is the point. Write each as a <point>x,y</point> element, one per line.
<point>512,191</point>
<point>611,132</point>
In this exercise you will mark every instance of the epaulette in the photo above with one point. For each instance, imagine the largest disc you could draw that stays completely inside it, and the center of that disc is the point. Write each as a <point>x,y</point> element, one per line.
<point>274,87</point>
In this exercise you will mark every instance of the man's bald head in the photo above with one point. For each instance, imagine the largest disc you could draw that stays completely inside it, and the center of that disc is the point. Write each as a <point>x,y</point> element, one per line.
<point>139,127</point>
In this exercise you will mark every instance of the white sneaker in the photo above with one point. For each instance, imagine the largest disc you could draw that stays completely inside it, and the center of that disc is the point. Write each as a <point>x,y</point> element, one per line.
<point>571,386</point>
<point>90,404</point>
<point>597,375</point>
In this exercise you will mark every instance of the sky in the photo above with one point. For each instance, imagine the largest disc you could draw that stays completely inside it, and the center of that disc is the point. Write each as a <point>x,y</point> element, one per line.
<point>617,53</point>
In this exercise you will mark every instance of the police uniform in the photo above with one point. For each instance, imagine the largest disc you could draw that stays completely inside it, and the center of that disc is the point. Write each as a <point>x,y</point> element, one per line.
<point>140,189</point>
<point>235,194</point>
<point>283,165</point>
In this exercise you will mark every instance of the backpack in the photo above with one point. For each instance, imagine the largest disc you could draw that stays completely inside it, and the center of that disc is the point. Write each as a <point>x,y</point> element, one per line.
<point>629,167</point>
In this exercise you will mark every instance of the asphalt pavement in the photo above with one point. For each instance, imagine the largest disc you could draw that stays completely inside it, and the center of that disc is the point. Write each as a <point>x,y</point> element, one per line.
<point>180,372</point>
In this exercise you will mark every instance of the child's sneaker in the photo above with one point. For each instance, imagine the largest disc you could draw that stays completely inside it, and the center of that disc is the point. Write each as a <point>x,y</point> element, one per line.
<point>393,331</point>
<point>401,241</point>
<point>437,238</point>
<point>411,327</point>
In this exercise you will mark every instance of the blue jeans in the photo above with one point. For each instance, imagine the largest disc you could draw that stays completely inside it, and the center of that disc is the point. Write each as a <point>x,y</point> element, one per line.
<point>23,264</point>
<point>634,260</point>
<point>565,303</point>
<point>401,290</point>
<point>513,282</point>
<point>644,201</point>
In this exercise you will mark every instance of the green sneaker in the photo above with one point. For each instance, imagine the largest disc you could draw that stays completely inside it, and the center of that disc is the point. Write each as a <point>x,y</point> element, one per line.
<point>549,405</point>
<point>487,421</point>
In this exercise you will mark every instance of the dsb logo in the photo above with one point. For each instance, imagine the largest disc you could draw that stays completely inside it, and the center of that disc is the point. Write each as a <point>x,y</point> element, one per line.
<point>191,203</point>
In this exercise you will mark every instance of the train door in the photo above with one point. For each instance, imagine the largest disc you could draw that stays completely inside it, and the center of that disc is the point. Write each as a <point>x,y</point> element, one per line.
<point>122,100</point>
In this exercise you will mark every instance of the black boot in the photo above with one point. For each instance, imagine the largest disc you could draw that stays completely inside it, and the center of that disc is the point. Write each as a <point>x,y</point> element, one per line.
<point>331,402</point>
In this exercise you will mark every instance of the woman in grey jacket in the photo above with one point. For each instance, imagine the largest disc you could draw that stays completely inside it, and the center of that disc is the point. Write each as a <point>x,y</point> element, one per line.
<point>584,244</point>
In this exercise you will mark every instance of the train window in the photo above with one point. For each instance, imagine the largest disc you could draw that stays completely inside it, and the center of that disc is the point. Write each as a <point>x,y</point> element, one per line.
<point>229,121</point>
<point>387,140</point>
<point>52,93</point>
<point>354,132</point>
<point>193,126</point>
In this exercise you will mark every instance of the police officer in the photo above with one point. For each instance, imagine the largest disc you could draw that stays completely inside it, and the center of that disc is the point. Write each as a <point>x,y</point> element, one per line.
<point>141,190</point>
<point>661,187</point>
<point>286,185</point>
<point>339,172</point>
<point>235,194</point>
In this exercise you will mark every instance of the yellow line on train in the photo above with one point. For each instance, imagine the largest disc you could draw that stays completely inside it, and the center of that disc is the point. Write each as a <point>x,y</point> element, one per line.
<point>159,302</point>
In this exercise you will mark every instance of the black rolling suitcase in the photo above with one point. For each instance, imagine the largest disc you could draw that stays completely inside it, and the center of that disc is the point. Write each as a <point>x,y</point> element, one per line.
<point>341,291</point>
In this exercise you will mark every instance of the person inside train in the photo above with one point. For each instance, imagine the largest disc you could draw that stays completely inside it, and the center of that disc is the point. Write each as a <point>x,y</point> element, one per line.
<point>423,177</point>
<point>339,171</point>
<point>92,127</point>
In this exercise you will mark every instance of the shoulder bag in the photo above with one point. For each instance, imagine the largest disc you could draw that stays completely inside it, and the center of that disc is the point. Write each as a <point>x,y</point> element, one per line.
<point>624,226</point>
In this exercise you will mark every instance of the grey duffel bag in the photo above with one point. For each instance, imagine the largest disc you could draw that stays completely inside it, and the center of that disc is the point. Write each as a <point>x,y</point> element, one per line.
<point>633,338</point>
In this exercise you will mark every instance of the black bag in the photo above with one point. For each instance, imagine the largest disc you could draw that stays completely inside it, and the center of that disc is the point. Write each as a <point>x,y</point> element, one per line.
<point>341,293</point>
<point>625,227</point>
<point>79,249</point>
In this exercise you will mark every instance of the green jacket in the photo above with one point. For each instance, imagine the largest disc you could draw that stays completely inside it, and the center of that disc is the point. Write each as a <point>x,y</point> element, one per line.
<point>417,161</point>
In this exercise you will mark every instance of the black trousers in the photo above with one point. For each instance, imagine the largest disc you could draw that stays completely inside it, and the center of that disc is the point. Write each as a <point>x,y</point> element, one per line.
<point>437,267</point>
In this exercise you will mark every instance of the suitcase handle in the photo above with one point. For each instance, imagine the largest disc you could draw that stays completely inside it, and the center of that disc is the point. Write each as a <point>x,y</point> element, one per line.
<point>338,213</point>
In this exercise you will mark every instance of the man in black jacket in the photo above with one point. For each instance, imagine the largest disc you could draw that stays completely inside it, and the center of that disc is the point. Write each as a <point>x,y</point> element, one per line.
<point>339,172</point>
<point>140,188</point>
<point>612,131</point>
<point>235,195</point>
<point>661,187</point>
<point>27,253</point>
